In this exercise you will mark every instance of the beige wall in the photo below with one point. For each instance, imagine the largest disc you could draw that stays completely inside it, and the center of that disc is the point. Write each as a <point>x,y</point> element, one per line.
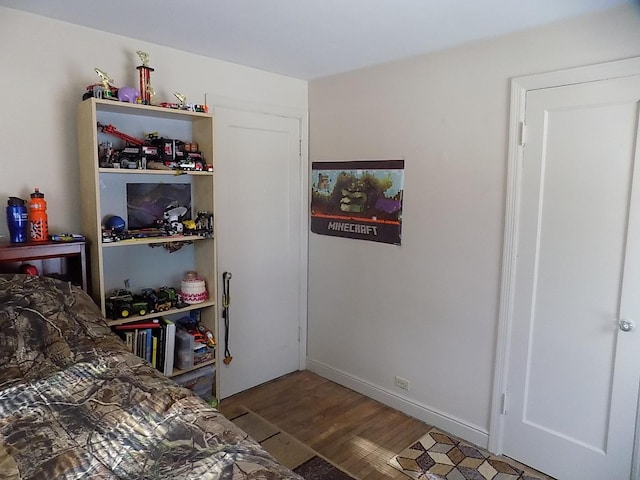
<point>46,65</point>
<point>427,310</point>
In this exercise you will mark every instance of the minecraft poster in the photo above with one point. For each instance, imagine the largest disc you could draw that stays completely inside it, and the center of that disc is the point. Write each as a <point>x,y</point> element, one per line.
<point>358,199</point>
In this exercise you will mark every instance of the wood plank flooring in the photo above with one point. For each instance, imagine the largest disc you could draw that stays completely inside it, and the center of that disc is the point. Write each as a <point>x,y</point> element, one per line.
<point>353,431</point>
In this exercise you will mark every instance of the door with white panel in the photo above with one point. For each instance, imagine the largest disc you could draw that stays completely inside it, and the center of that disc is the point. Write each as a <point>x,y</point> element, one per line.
<point>574,356</point>
<point>259,208</point>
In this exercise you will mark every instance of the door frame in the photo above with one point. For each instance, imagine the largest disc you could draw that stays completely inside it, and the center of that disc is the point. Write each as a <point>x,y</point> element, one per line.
<point>517,137</point>
<point>302,116</point>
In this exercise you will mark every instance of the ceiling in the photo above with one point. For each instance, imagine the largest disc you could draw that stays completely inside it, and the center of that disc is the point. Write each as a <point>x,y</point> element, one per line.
<point>309,39</point>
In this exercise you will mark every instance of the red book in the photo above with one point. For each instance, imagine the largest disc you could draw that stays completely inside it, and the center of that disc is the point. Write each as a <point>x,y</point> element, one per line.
<point>138,324</point>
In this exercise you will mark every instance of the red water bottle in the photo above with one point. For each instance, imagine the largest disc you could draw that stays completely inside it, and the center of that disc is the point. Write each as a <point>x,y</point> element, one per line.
<point>38,224</point>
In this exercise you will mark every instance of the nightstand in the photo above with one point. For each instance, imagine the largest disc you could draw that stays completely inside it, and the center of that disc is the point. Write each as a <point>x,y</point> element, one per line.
<point>72,252</point>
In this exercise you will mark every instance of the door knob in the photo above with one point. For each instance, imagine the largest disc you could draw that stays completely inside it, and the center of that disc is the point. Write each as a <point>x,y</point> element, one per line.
<point>626,325</point>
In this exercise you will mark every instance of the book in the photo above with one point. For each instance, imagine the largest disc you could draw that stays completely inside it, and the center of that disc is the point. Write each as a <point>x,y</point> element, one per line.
<point>158,335</point>
<point>143,342</point>
<point>154,352</point>
<point>170,344</point>
<point>148,347</point>
<point>143,347</point>
<point>139,324</point>
<point>134,344</point>
<point>128,340</point>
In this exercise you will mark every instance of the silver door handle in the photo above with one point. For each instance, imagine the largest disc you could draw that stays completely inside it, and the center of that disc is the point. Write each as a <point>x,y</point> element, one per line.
<point>626,325</point>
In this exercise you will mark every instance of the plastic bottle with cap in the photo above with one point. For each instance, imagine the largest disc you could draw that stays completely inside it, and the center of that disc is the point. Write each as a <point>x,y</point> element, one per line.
<point>38,221</point>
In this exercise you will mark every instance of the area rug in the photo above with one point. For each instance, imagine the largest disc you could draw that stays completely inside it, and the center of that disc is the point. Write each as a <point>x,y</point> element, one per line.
<point>439,456</point>
<point>287,450</point>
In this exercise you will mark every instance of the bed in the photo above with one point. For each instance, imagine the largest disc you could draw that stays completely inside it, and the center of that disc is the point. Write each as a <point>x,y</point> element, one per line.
<point>74,403</point>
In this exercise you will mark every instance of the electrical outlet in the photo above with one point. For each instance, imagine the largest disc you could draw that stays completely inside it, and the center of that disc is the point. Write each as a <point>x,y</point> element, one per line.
<point>402,383</point>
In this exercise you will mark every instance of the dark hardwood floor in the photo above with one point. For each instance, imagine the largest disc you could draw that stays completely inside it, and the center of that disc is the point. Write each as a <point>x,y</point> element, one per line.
<point>353,431</point>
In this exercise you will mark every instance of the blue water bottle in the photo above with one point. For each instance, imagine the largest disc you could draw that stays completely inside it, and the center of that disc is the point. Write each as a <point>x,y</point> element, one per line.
<point>17,220</point>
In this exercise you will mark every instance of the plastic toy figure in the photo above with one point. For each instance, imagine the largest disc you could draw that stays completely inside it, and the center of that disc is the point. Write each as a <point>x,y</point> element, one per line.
<point>204,224</point>
<point>172,223</point>
<point>128,94</point>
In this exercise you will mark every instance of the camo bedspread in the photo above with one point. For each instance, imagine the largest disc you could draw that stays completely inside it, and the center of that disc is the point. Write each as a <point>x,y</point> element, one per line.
<point>75,404</point>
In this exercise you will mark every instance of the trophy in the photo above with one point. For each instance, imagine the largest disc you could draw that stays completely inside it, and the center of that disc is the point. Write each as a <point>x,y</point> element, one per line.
<point>106,81</point>
<point>146,91</point>
<point>182,100</point>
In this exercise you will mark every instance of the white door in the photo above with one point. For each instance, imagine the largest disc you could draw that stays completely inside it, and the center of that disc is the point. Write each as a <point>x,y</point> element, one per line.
<point>573,373</point>
<point>259,209</point>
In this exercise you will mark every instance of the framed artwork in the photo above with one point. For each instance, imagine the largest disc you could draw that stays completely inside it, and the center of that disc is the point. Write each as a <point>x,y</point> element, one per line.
<point>358,199</point>
<point>147,202</point>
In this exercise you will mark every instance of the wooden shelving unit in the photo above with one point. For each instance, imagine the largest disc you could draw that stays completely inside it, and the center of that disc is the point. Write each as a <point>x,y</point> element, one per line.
<point>104,193</point>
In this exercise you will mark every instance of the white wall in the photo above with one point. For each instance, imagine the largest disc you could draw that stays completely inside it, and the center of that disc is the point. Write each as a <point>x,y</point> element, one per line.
<point>46,65</point>
<point>427,310</point>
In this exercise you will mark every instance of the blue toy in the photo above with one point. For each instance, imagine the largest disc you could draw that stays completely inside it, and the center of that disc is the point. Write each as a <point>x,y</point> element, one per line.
<point>115,223</point>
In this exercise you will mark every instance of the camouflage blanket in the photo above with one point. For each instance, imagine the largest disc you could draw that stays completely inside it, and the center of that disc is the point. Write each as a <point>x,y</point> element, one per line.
<point>75,404</point>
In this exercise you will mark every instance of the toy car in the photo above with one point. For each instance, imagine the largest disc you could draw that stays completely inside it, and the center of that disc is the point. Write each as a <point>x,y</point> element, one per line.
<point>192,161</point>
<point>97,90</point>
<point>110,236</point>
<point>155,302</point>
<point>140,305</point>
<point>190,165</point>
<point>119,304</point>
<point>171,295</point>
<point>175,106</point>
<point>161,299</point>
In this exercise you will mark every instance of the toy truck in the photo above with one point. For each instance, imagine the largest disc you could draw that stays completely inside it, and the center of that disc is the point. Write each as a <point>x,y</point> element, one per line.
<point>119,304</point>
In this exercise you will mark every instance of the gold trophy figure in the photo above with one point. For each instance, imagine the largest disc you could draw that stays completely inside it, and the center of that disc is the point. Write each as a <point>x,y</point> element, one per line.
<point>106,81</point>
<point>182,100</point>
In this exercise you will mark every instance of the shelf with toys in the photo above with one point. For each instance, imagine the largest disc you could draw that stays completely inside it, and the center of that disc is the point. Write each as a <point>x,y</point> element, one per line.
<point>152,172</point>
<point>127,242</point>
<point>154,315</point>
<point>147,214</point>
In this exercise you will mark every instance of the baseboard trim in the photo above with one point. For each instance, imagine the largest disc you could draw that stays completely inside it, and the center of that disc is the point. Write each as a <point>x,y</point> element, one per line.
<point>454,426</point>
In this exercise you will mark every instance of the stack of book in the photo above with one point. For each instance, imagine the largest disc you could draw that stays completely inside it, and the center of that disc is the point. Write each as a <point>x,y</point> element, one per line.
<point>153,340</point>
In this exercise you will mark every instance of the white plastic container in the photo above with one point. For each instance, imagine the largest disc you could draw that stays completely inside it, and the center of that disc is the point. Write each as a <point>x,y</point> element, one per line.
<point>200,381</point>
<point>184,350</point>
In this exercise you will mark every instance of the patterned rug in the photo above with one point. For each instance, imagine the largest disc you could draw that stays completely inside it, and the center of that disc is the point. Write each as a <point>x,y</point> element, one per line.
<point>438,456</point>
<point>287,450</point>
